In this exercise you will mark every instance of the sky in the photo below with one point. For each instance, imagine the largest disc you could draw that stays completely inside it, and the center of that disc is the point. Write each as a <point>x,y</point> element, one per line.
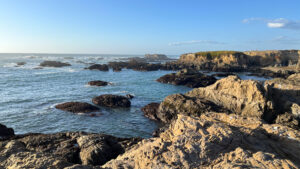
<point>147,26</point>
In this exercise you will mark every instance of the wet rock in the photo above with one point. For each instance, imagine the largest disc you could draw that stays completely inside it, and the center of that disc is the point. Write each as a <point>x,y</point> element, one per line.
<point>77,107</point>
<point>109,100</point>
<point>117,69</point>
<point>215,140</point>
<point>189,78</point>
<point>100,67</point>
<point>222,74</point>
<point>129,96</point>
<point>98,83</point>
<point>6,132</point>
<point>54,64</point>
<point>21,63</point>
<point>151,111</point>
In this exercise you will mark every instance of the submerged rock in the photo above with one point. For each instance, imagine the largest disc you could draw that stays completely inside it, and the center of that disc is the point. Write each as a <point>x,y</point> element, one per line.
<point>6,132</point>
<point>54,64</point>
<point>151,111</point>
<point>77,107</point>
<point>129,96</point>
<point>215,140</point>
<point>21,63</point>
<point>189,78</point>
<point>110,100</point>
<point>98,83</point>
<point>100,67</point>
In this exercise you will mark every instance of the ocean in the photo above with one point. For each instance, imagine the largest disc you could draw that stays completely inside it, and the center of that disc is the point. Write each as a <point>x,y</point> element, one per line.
<point>28,95</point>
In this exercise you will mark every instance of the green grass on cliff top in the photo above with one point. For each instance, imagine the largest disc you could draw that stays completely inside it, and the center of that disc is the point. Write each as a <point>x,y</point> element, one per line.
<point>216,53</point>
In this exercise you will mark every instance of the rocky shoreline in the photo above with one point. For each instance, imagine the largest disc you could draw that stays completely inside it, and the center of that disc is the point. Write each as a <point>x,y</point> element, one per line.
<point>226,123</point>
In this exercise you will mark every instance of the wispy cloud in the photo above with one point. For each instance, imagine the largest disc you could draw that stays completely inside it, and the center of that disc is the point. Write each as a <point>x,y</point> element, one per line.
<point>276,23</point>
<point>209,42</point>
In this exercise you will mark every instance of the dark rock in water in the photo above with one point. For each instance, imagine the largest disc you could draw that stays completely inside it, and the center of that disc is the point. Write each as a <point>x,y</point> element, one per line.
<point>117,69</point>
<point>77,107</point>
<point>222,74</point>
<point>110,100</point>
<point>129,96</point>
<point>54,64</point>
<point>100,67</point>
<point>98,83</point>
<point>61,150</point>
<point>21,63</point>
<point>189,78</point>
<point>151,110</point>
<point>6,132</point>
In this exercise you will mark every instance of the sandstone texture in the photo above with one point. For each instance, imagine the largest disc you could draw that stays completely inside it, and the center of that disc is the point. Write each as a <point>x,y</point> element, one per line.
<point>189,78</point>
<point>54,64</point>
<point>215,140</point>
<point>77,107</point>
<point>109,100</point>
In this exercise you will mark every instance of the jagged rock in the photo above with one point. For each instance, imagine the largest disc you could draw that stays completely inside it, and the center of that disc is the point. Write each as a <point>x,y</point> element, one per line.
<point>245,97</point>
<point>287,119</point>
<point>181,104</point>
<point>6,132</point>
<point>151,110</point>
<point>110,100</point>
<point>189,78</point>
<point>61,150</point>
<point>129,96</point>
<point>98,83</point>
<point>54,64</point>
<point>215,140</point>
<point>77,107</point>
<point>100,67</point>
<point>223,74</point>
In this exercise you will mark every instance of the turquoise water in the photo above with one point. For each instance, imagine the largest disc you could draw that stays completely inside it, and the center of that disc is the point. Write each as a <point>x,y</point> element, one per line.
<point>28,95</point>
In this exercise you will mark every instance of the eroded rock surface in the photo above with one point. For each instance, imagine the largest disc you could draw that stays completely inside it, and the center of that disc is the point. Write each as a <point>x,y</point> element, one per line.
<point>151,111</point>
<point>110,100</point>
<point>77,107</point>
<point>216,140</point>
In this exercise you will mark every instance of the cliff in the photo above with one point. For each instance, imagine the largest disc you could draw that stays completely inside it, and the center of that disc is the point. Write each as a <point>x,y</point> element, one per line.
<point>242,59</point>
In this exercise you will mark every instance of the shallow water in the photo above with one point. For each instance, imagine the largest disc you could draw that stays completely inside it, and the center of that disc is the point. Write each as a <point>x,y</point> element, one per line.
<point>28,95</point>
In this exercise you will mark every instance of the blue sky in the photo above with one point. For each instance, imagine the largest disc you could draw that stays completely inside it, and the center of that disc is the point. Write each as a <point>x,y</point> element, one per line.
<point>147,26</point>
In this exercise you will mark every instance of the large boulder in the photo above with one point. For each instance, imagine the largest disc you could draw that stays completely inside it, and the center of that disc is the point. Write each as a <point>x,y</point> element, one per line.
<point>189,78</point>
<point>77,107</point>
<point>245,97</point>
<point>6,132</point>
<point>100,67</point>
<point>54,64</point>
<point>109,100</point>
<point>61,150</point>
<point>97,83</point>
<point>216,140</point>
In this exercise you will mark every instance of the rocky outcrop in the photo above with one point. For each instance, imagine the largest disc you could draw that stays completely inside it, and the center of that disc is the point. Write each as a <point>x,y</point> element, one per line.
<point>21,63</point>
<point>61,150</point>
<point>6,132</point>
<point>100,67</point>
<point>215,140</point>
<point>189,78</point>
<point>156,57</point>
<point>109,100</point>
<point>151,111</point>
<point>77,107</point>
<point>54,64</point>
<point>245,97</point>
<point>97,83</point>
<point>129,96</point>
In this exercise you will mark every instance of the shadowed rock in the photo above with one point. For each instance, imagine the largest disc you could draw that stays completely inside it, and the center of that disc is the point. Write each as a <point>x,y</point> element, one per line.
<point>54,64</point>
<point>109,100</point>
<point>6,132</point>
<point>100,67</point>
<point>21,63</point>
<point>151,110</point>
<point>77,107</point>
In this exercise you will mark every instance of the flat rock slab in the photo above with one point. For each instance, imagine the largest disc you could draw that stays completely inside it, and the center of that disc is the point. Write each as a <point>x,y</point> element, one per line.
<point>98,83</point>
<point>54,64</point>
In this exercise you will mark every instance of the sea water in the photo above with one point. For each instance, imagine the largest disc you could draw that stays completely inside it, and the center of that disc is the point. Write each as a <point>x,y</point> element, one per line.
<point>28,95</point>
